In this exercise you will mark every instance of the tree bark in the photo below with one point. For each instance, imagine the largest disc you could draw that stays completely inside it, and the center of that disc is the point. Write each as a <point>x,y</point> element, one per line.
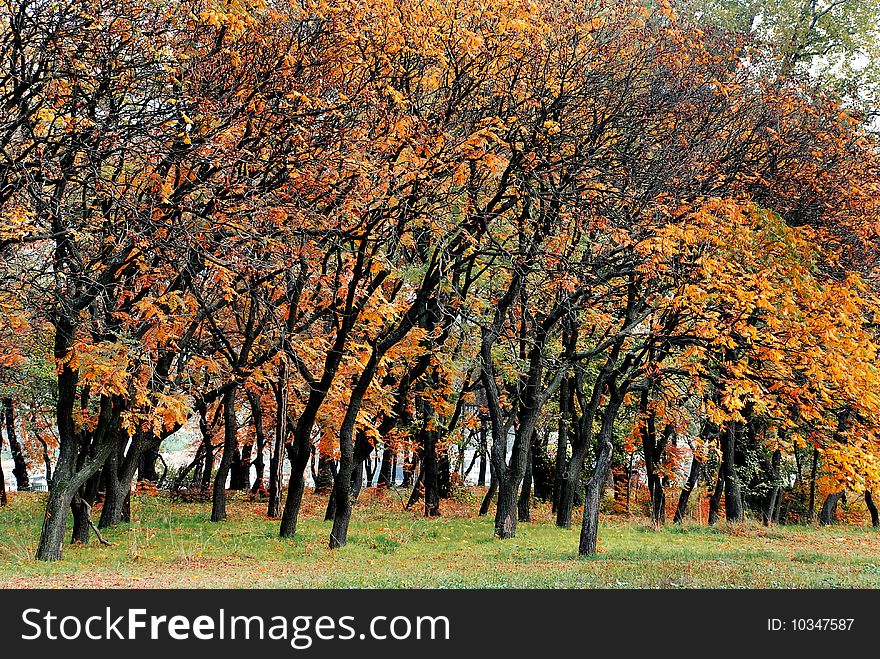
<point>872,508</point>
<point>19,470</point>
<point>826,516</point>
<point>733,505</point>
<point>715,500</point>
<point>230,439</point>
<point>811,510</point>
<point>3,499</point>
<point>260,439</point>
<point>67,479</point>
<point>524,505</point>
<point>490,493</point>
<point>590,525</point>
<point>693,477</point>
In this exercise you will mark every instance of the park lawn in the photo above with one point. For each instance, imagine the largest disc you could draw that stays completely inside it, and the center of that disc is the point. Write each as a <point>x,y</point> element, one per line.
<point>172,544</point>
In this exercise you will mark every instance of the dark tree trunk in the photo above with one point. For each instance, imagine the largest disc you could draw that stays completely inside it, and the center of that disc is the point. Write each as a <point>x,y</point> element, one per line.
<point>652,449</point>
<point>19,470</point>
<point>276,460</point>
<point>733,505</point>
<point>147,465</point>
<point>119,472</point>
<point>444,472</point>
<point>81,508</point>
<point>3,499</point>
<point>183,475</point>
<point>386,473</point>
<point>362,450</point>
<point>67,479</point>
<point>483,451</point>
<point>230,439</point>
<point>410,462</point>
<point>430,476</point>
<point>543,472</point>
<point>324,480</point>
<point>872,508</point>
<point>593,494</point>
<point>524,505</point>
<point>775,488</point>
<point>417,491</point>
<point>826,516</point>
<point>561,444</point>
<point>260,439</point>
<point>693,478</point>
<point>811,510</point>
<point>490,494</point>
<point>715,500</point>
<point>205,428</point>
<point>47,461</point>
<point>240,468</point>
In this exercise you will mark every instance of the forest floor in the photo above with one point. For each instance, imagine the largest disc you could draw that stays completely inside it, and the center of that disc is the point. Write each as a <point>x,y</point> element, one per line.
<point>175,545</point>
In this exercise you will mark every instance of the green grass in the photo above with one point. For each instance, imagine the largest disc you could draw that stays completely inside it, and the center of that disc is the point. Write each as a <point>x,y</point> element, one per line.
<point>175,545</point>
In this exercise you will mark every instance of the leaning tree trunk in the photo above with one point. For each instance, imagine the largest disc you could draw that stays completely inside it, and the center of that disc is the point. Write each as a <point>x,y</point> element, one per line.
<point>693,477</point>
<point>769,511</point>
<point>590,525</point>
<point>19,469</point>
<point>82,508</point>
<point>119,472</point>
<point>230,438</point>
<point>826,516</point>
<point>490,493</point>
<point>67,479</point>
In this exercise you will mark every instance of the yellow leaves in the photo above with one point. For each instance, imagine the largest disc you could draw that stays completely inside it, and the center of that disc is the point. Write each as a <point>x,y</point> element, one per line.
<point>17,223</point>
<point>169,412</point>
<point>552,127</point>
<point>103,366</point>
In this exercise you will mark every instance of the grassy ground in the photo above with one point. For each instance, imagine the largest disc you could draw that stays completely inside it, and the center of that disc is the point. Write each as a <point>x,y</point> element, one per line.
<point>174,545</point>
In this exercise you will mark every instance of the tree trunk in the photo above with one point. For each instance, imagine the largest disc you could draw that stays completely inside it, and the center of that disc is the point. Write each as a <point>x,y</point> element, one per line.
<point>561,444</point>
<point>524,505</point>
<point>775,488</point>
<point>872,508</point>
<point>733,505</point>
<point>811,510</point>
<point>259,439</point>
<point>67,478</point>
<point>490,493</point>
<point>715,500</point>
<point>483,450</point>
<point>592,497</point>
<point>386,475</point>
<point>81,508</point>
<point>119,472</point>
<point>826,516</point>
<point>3,499</point>
<point>276,460</point>
<point>230,439</point>
<point>693,477</point>
<point>19,470</point>
<point>430,477</point>
<point>147,465</point>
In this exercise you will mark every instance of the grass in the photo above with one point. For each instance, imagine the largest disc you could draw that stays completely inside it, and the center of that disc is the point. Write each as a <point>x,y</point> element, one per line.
<point>172,544</point>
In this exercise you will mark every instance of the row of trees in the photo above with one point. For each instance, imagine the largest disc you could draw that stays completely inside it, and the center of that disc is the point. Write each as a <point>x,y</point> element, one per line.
<point>550,228</point>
